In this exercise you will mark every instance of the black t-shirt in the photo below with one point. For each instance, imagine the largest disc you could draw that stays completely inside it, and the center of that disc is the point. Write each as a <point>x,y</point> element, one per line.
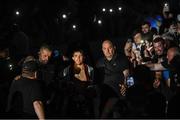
<point>111,72</point>
<point>46,76</point>
<point>29,90</point>
<point>46,73</point>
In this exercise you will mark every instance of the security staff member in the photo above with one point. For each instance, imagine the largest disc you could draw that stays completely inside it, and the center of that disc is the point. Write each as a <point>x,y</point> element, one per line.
<point>112,71</point>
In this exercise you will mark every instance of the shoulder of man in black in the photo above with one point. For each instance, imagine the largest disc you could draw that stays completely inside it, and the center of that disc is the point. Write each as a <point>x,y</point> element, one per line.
<point>175,63</point>
<point>100,62</point>
<point>123,61</point>
<point>37,93</point>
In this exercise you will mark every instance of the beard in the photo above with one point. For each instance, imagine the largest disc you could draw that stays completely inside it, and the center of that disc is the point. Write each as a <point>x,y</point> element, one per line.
<point>43,61</point>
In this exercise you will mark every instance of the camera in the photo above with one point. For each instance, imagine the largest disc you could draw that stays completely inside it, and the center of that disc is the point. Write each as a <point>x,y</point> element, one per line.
<point>130,81</point>
<point>56,53</point>
<point>166,7</point>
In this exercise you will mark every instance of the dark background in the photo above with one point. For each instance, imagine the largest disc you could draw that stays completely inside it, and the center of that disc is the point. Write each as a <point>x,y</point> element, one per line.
<point>41,20</point>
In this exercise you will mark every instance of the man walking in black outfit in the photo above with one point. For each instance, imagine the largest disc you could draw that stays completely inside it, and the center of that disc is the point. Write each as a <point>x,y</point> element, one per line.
<point>112,71</point>
<point>25,96</point>
<point>46,75</point>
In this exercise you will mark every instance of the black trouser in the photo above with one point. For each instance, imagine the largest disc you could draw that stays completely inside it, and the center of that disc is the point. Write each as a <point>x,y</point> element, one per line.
<point>77,104</point>
<point>108,98</point>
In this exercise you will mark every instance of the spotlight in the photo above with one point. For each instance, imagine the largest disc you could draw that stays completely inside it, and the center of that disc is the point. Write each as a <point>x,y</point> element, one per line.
<point>74,27</point>
<point>119,8</point>
<point>104,9</point>
<point>64,16</point>
<point>99,22</point>
<point>165,4</point>
<point>17,13</point>
<point>110,10</point>
<point>10,66</point>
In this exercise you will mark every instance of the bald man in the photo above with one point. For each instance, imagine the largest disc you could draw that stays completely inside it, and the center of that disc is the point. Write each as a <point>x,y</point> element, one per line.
<point>112,71</point>
<point>172,53</point>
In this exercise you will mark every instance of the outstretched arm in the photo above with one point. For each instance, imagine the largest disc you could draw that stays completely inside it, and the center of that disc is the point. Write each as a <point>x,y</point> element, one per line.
<point>38,107</point>
<point>155,66</point>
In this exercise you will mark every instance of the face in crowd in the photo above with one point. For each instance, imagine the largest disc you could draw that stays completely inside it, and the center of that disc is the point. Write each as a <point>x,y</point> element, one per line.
<point>173,28</point>
<point>145,28</point>
<point>172,52</point>
<point>108,49</point>
<point>137,38</point>
<point>44,55</point>
<point>158,48</point>
<point>78,58</point>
